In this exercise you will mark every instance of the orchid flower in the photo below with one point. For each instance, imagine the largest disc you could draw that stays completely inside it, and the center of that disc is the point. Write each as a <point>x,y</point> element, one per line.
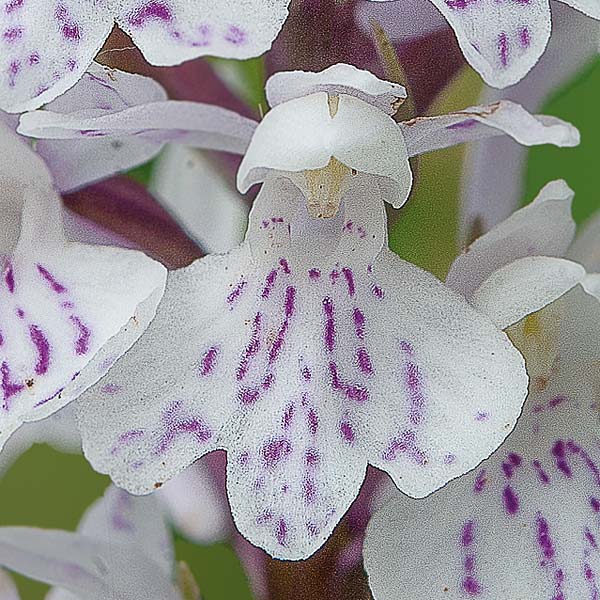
<point>525,523</point>
<point>122,549</point>
<point>286,351</point>
<point>48,45</point>
<point>501,41</point>
<point>68,310</point>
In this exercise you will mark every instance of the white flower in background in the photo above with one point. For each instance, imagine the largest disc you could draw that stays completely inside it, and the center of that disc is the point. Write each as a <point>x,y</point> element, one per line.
<point>524,524</point>
<point>47,45</point>
<point>68,310</point>
<point>122,549</point>
<point>502,41</point>
<point>311,349</point>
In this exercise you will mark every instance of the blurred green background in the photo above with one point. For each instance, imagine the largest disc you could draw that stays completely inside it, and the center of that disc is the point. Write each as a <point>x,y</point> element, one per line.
<point>49,489</point>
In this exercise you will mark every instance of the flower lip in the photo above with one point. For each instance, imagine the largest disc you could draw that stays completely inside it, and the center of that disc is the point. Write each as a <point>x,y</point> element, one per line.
<point>304,134</point>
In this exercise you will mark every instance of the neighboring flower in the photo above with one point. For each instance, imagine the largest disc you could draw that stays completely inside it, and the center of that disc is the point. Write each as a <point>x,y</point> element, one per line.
<point>122,549</point>
<point>500,40</point>
<point>47,45</point>
<point>311,349</point>
<point>68,310</point>
<point>525,523</point>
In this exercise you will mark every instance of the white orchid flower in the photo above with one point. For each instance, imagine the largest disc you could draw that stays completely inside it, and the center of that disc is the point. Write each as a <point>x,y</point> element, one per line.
<point>524,524</point>
<point>311,349</point>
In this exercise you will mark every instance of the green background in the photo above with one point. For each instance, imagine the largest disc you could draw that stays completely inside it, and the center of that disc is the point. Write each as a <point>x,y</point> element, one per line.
<point>48,489</point>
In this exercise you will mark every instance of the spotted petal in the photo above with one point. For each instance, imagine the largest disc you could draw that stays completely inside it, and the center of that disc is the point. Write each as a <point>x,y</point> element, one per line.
<point>68,310</point>
<point>524,524</point>
<point>169,32</point>
<point>305,366</point>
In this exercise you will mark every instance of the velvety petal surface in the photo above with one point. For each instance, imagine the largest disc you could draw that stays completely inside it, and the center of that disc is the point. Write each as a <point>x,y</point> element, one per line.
<point>337,79</point>
<point>305,366</point>
<point>502,41</point>
<point>68,310</point>
<point>169,32</point>
<point>46,46</point>
<point>78,162</point>
<point>424,134</point>
<point>543,228</point>
<point>525,523</point>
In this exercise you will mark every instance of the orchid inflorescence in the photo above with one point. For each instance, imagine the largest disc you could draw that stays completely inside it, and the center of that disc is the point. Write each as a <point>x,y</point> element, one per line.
<point>141,327</point>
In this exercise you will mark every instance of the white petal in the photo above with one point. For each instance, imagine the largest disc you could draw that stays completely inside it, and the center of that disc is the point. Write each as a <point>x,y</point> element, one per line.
<point>119,518</point>
<point>68,310</point>
<point>495,169</point>
<point>93,570</point>
<point>301,134</point>
<point>78,162</point>
<point>502,41</point>
<point>193,504</point>
<point>403,21</point>
<point>195,192</point>
<point>170,32</point>
<point>189,123</point>
<point>305,366</point>
<point>586,247</point>
<point>524,524</point>
<point>591,284</point>
<point>337,79</point>
<point>544,227</point>
<point>424,134</point>
<point>8,590</point>
<point>524,287</point>
<point>46,47</point>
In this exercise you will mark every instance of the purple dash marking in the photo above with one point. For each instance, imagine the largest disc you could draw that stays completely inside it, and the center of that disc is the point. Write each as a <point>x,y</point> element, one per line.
<point>512,462</point>
<point>289,308</point>
<point>510,499</point>
<point>589,463</point>
<point>350,391</point>
<point>480,482</point>
<point>152,11</point>
<point>40,341</point>
<point>13,70</point>
<point>460,4</point>
<point>468,533</point>
<point>349,277</point>
<point>329,324</point>
<point>13,5</point>
<point>13,34</point>
<point>34,59</point>
<point>405,443</point>
<point>359,323</point>
<point>111,388</point>
<point>176,425</point>
<point>209,361</point>
<point>482,416</point>
<point>541,473</point>
<point>306,374</point>
<point>82,343</point>
<point>126,438</point>
<point>364,361</point>
<point>466,124</point>
<point>251,349</point>
<point>288,416</point>
<point>283,263</point>
<point>470,584</point>
<point>274,451</point>
<point>46,400</point>
<point>281,532</point>
<point>414,384</point>
<point>559,452</point>
<point>595,504</point>
<point>9,387</point>
<point>503,49</point>
<point>267,381</point>
<point>69,28</point>
<point>591,539</point>
<point>312,457</point>
<point>525,37</point>
<point>269,284</point>
<point>544,538</point>
<point>377,292</point>
<point>236,292</point>
<point>312,420</point>
<point>51,280</point>
<point>248,396</point>
<point>235,36</point>
<point>309,490</point>
<point>347,432</point>
<point>9,279</point>
<point>314,274</point>
<point>20,313</point>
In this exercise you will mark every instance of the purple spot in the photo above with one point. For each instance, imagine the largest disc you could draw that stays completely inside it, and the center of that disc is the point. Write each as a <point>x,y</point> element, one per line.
<point>309,490</point>
<point>152,11</point>
<point>595,504</point>
<point>9,387</point>
<point>544,539</point>
<point>236,292</point>
<point>511,501</point>
<point>283,263</point>
<point>13,34</point>
<point>9,278</point>
<point>503,49</point>
<point>312,458</point>
<point>377,292</point>
<point>468,533</point>
<point>329,324</point>
<point>251,349</point>
<point>13,5</point>
<point>281,532</point>
<point>209,361</point>
<point>235,36</point>
<point>248,396</point>
<point>405,443</point>
<point>314,274</point>
<point>40,341</point>
<point>364,361</point>
<point>288,416</point>
<point>347,432</point>
<point>51,280</point>
<point>349,277</point>
<point>350,391</point>
<point>416,397</point>
<point>275,451</point>
<point>359,323</point>
<point>269,284</point>
<point>111,388</point>
<point>542,475</point>
<point>82,343</point>
<point>313,421</point>
<point>176,425</point>
<point>525,37</point>
<point>480,482</point>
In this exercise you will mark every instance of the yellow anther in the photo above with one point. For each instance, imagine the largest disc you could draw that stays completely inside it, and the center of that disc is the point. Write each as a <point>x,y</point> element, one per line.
<point>325,188</point>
